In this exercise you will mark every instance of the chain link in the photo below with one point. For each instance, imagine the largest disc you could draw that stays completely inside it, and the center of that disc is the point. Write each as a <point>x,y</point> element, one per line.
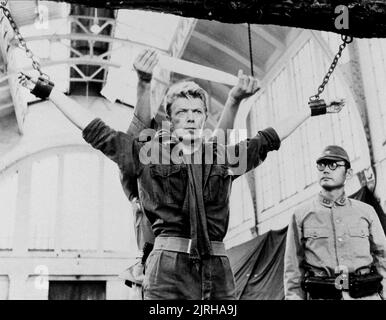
<point>20,39</point>
<point>346,40</point>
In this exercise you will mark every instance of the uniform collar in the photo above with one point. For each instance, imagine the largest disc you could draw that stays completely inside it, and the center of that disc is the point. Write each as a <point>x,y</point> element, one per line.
<point>325,201</point>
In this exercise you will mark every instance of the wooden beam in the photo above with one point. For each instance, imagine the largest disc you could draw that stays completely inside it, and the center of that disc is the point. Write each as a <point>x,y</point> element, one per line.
<point>84,37</point>
<point>366,18</point>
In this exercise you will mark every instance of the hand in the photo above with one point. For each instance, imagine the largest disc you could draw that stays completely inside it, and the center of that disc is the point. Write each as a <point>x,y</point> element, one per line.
<point>144,64</point>
<point>335,106</point>
<point>246,87</point>
<point>27,81</point>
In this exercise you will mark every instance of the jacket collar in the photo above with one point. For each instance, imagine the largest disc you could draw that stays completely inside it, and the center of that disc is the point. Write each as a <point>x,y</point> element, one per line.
<point>325,201</point>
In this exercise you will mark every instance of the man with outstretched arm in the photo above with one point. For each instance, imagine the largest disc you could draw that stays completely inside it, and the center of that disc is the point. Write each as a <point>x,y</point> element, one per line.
<point>144,65</point>
<point>186,195</point>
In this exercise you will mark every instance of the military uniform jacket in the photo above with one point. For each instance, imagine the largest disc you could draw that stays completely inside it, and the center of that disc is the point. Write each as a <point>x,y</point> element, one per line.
<point>327,234</point>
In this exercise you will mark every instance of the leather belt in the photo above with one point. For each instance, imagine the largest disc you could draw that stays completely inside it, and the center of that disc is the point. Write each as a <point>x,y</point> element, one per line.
<point>183,245</point>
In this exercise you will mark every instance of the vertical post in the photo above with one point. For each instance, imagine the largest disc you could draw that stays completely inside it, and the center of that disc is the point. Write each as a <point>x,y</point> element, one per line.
<point>59,207</point>
<point>20,240</point>
<point>356,84</point>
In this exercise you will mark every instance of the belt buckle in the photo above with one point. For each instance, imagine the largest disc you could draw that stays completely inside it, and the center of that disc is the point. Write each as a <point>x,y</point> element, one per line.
<point>189,246</point>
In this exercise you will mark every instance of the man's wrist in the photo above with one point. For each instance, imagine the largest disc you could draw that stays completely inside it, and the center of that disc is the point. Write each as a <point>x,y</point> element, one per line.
<point>318,107</point>
<point>145,84</point>
<point>233,100</point>
<point>43,88</point>
<point>144,77</point>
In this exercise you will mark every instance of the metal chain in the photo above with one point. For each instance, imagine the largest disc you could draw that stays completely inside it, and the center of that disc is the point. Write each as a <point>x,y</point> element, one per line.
<point>346,40</point>
<point>22,42</point>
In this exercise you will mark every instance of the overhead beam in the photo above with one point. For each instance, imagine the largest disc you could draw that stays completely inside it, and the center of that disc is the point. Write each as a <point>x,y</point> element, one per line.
<point>228,51</point>
<point>82,36</point>
<point>367,18</point>
<point>86,60</point>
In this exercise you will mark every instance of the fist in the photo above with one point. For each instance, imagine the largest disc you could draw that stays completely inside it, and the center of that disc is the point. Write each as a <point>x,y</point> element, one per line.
<point>26,81</point>
<point>246,87</point>
<point>335,106</point>
<point>144,64</point>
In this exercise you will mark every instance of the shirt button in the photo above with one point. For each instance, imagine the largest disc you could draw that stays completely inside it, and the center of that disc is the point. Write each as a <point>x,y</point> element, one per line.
<point>338,220</point>
<point>340,239</point>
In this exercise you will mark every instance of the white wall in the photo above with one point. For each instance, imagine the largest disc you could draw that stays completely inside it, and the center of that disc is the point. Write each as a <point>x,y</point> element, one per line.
<point>50,173</point>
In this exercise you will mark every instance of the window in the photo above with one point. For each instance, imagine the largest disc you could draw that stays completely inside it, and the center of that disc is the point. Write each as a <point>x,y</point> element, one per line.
<point>378,58</point>
<point>282,108</point>
<point>4,287</point>
<point>118,221</point>
<point>75,202</point>
<point>81,201</point>
<point>43,207</point>
<point>8,196</point>
<point>265,173</point>
<point>77,290</point>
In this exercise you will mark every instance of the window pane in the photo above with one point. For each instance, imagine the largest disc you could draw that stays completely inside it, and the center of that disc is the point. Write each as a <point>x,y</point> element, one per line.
<point>4,287</point>
<point>118,224</point>
<point>44,189</point>
<point>8,194</point>
<point>80,201</point>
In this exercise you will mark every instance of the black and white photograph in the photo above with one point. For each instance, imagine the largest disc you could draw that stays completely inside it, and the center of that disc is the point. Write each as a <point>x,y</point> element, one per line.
<point>192,150</point>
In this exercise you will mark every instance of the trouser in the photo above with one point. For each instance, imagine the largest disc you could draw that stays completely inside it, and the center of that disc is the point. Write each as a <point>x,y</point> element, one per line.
<point>171,275</point>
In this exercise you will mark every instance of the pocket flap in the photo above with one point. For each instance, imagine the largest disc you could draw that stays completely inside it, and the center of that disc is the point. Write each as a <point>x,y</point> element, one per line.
<point>219,170</point>
<point>164,170</point>
<point>316,233</point>
<point>359,232</point>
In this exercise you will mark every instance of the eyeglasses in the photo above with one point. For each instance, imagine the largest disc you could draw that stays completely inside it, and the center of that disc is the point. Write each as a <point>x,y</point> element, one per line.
<point>331,165</point>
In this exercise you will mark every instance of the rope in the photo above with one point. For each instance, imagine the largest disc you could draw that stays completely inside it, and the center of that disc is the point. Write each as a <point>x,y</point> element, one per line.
<point>250,48</point>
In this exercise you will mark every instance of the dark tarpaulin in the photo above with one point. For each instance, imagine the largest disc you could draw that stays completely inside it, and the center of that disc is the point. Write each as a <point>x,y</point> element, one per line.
<point>365,195</point>
<point>258,266</point>
<point>259,263</point>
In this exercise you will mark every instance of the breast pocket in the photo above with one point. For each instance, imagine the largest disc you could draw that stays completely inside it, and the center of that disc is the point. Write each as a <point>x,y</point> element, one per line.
<point>359,240</point>
<point>219,185</point>
<point>169,183</point>
<point>316,240</point>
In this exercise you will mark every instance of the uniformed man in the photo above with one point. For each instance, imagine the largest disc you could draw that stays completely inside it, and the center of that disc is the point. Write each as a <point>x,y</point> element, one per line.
<point>336,247</point>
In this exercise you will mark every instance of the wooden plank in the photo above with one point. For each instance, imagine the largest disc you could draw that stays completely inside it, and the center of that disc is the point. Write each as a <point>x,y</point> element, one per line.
<point>366,18</point>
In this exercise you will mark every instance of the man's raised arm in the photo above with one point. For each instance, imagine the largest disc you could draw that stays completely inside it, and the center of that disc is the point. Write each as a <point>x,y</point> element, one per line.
<point>254,151</point>
<point>144,65</point>
<point>116,145</point>
<point>286,126</point>
<point>78,115</point>
<point>246,87</point>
